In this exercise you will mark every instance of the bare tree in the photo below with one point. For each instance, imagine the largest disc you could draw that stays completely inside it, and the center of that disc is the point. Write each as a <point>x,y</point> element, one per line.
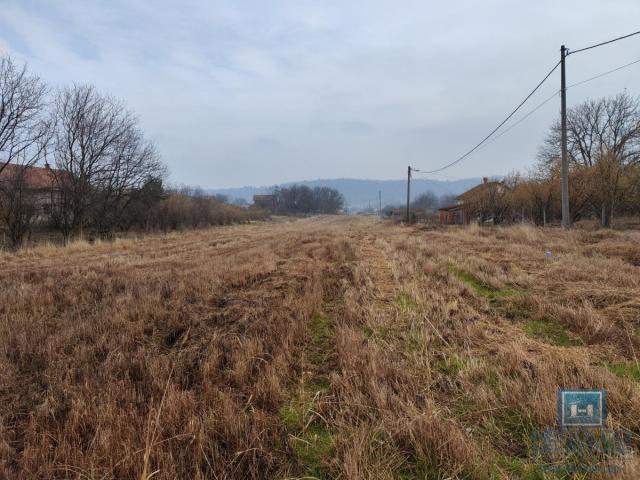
<point>90,130</point>
<point>597,127</point>
<point>607,179</point>
<point>490,201</point>
<point>427,201</point>
<point>536,195</point>
<point>132,163</point>
<point>18,202</point>
<point>604,146</point>
<point>22,113</point>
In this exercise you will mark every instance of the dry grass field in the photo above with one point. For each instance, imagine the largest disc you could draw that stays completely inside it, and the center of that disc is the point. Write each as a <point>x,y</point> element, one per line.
<point>328,347</point>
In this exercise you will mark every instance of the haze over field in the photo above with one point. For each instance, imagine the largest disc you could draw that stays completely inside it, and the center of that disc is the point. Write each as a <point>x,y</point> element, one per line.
<point>262,93</point>
<point>364,193</point>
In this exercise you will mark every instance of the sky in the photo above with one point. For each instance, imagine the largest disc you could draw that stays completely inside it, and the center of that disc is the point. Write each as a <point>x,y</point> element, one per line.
<point>261,92</point>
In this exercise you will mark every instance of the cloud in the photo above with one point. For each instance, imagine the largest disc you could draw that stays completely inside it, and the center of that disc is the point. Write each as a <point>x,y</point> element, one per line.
<point>264,92</point>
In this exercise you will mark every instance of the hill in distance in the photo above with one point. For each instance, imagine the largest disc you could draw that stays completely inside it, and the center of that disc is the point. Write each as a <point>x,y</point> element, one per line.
<point>360,194</point>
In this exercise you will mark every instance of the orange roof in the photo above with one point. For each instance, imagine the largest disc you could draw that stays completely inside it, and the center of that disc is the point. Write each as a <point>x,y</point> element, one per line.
<point>36,177</point>
<point>450,208</point>
<point>478,189</point>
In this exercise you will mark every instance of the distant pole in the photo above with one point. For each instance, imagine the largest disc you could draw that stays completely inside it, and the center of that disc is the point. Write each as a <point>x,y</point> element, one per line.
<point>566,220</point>
<point>380,203</point>
<point>408,190</point>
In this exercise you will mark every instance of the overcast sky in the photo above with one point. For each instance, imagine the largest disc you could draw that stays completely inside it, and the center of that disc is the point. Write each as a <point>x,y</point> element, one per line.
<point>260,92</point>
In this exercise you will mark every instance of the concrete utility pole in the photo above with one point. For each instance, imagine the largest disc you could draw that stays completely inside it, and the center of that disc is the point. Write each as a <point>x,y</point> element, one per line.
<point>408,191</point>
<point>566,219</point>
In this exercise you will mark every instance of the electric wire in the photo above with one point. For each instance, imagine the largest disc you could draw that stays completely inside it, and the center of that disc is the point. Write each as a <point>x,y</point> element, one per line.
<point>539,106</point>
<point>485,140</point>
<point>543,103</point>
<point>603,74</point>
<point>571,52</point>
<point>459,159</point>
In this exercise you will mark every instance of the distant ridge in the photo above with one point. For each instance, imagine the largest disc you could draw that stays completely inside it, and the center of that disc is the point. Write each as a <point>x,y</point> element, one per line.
<point>362,193</point>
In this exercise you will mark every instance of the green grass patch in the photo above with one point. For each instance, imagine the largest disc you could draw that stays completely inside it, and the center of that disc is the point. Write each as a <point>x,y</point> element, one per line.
<point>451,365</point>
<point>321,339</point>
<point>482,288</point>
<point>509,430</point>
<point>519,468</point>
<point>321,329</point>
<point>406,302</point>
<point>552,333</point>
<point>312,447</point>
<point>309,438</point>
<point>474,282</point>
<point>624,369</point>
<point>420,470</point>
<point>294,414</point>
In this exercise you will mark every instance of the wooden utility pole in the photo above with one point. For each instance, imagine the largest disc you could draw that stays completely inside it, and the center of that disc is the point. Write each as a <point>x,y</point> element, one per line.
<point>380,203</point>
<point>566,219</point>
<point>408,191</point>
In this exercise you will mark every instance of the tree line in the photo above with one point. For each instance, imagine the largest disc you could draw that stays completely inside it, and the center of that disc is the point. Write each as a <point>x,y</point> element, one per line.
<point>103,175</point>
<point>604,170</point>
<point>301,199</point>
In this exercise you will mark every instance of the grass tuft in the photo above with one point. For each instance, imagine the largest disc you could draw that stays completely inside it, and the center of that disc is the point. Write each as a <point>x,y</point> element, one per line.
<point>624,369</point>
<point>406,302</point>
<point>312,448</point>
<point>552,333</point>
<point>482,288</point>
<point>451,365</point>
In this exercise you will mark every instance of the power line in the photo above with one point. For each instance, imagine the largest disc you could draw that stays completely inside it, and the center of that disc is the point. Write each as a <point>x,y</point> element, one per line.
<point>603,74</point>
<point>523,118</point>
<point>544,102</point>
<point>499,125</point>
<point>438,174</point>
<point>485,139</point>
<point>603,43</point>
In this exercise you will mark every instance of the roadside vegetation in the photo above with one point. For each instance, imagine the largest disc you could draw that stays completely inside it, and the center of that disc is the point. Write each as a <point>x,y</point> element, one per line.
<point>328,347</point>
<point>604,179</point>
<point>75,163</point>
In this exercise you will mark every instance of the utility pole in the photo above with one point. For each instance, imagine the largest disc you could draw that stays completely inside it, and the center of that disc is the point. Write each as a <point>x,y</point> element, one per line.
<point>380,203</point>
<point>566,219</point>
<point>408,191</point>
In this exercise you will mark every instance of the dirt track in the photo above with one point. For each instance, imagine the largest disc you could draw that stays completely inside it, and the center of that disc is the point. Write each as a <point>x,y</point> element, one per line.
<point>334,347</point>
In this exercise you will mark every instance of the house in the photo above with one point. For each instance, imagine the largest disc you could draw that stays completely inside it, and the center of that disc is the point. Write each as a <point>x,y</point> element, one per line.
<point>264,202</point>
<point>39,182</point>
<point>451,215</point>
<point>477,202</point>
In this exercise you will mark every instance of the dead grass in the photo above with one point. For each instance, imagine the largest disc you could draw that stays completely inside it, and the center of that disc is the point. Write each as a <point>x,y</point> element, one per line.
<point>322,348</point>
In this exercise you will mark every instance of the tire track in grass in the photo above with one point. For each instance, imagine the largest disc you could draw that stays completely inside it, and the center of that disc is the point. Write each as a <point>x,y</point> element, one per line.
<point>310,435</point>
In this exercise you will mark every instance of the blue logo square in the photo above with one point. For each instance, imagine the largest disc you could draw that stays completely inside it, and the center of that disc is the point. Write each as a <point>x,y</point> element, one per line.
<point>582,408</point>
